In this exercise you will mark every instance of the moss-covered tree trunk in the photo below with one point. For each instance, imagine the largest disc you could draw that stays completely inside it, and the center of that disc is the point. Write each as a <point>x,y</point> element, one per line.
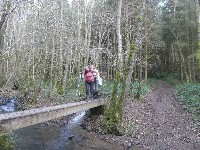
<point>111,119</point>
<point>124,81</point>
<point>114,116</point>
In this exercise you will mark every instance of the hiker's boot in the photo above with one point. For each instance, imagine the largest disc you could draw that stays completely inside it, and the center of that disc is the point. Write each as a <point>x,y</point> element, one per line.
<point>98,95</point>
<point>95,95</point>
<point>90,97</point>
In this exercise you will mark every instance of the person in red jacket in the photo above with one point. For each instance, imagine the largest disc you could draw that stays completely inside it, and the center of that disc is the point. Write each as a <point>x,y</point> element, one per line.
<point>89,82</point>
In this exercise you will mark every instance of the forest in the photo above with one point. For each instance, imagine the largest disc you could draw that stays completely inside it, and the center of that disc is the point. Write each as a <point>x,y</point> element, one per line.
<point>45,44</point>
<point>51,41</point>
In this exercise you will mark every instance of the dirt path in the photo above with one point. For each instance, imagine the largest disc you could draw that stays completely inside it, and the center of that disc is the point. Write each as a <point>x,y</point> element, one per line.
<point>162,123</point>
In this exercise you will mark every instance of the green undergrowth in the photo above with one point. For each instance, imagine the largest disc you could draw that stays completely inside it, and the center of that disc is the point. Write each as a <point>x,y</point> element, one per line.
<point>78,93</point>
<point>106,88</point>
<point>145,87</point>
<point>6,141</point>
<point>172,79</point>
<point>189,95</point>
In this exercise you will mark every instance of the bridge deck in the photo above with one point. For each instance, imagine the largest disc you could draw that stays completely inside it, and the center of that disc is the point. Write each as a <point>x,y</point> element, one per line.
<point>20,119</point>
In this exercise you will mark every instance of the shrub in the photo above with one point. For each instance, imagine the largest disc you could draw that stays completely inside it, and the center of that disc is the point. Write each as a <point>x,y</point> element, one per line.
<point>6,142</point>
<point>145,86</point>
<point>189,96</point>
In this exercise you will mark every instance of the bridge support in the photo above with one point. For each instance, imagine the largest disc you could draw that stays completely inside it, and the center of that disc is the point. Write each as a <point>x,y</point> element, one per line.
<point>100,110</point>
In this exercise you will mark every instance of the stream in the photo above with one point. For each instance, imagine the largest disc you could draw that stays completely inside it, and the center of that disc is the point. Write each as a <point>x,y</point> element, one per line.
<point>43,137</point>
<point>71,136</point>
<point>8,105</point>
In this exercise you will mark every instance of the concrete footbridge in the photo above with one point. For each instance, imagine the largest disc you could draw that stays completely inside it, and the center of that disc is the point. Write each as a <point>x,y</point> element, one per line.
<point>20,119</point>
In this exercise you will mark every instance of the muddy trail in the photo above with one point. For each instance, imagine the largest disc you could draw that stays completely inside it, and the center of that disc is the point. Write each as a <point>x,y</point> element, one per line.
<point>162,122</point>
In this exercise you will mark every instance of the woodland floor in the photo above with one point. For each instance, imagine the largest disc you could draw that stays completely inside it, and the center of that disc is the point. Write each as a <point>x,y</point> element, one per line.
<point>161,123</point>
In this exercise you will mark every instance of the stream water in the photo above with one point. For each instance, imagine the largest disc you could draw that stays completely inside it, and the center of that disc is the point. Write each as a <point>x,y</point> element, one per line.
<point>41,137</point>
<point>8,105</point>
<point>68,137</point>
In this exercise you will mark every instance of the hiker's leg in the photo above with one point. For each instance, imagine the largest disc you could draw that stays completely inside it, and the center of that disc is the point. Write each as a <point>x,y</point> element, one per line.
<point>97,85</point>
<point>96,89</point>
<point>94,83</point>
<point>92,89</point>
<point>87,89</point>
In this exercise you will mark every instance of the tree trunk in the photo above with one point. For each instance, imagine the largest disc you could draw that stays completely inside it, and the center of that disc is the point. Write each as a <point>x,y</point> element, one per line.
<point>3,20</point>
<point>146,61</point>
<point>139,47</point>
<point>189,70</point>
<point>183,66</point>
<point>114,116</point>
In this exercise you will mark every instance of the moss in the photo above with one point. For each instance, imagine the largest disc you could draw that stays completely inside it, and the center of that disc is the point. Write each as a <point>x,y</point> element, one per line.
<point>110,121</point>
<point>126,72</point>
